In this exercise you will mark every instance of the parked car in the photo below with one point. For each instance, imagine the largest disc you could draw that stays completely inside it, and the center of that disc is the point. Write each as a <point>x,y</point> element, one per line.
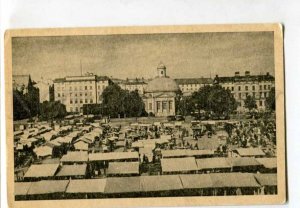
<point>171,118</point>
<point>179,118</point>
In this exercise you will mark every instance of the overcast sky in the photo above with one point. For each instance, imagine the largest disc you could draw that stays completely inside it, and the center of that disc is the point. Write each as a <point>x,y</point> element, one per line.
<point>121,56</point>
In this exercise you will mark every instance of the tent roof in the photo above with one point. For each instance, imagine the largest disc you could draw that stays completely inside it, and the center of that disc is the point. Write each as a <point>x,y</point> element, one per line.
<point>48,187</point>
<point>86,186</point>
<point>21,188</point>
<point>113,156</point>
<point>72,170</point>
<point>194,181</point>
<point>178,164</point>
<point>75,157</point>
<point>185,153</point>
<point>212,163</point>
<point>123,168</point>
<point>123,185</point>
<point>242,161</point>
<point>250,152</point>
<point>266,179</point>
<point>160,183</point>
<point>43,151</point>
<point>81,145</point>
<point>268,162</point>
<point>43,170</point>
<point>233,180</point>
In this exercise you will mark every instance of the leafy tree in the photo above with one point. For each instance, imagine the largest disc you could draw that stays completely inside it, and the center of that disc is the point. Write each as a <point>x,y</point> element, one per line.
<point>250,102</point>
<point>271,100</point>
<point>20,106</point>
<point>52,110</point>
<point>213,98</point>
<point>119,102</point>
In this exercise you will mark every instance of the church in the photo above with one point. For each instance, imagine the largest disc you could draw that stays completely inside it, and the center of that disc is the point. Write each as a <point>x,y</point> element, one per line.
<point>160,94</point>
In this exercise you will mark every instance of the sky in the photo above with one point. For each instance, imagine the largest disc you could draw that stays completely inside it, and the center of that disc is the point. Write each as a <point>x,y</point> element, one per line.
<point>186,55</point>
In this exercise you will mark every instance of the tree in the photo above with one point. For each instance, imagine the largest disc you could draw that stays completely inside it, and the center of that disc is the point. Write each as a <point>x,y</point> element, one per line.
<point>271,100</point>
<point>52,110</point>
<point>250,102</point>
<point>119,102</point>
<point>213,98</point>
<point>20,106</point>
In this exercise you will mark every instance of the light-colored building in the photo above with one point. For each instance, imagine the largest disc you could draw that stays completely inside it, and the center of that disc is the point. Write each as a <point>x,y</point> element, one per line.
<point>138,84</point>
<point>160,93</point>
<point>241,86</point>
<point>190,85</point>
<point>43,86</point>
<point>75,91</point>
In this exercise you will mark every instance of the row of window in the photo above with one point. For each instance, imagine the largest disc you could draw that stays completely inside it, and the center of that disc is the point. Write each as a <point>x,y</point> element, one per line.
<point>261,87</point>
<point>81,88</point>
<point>81,101</point>
<point>253,94</point>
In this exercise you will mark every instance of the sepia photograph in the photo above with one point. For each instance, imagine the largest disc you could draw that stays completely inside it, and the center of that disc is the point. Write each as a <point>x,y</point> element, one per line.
<point>136,116</point>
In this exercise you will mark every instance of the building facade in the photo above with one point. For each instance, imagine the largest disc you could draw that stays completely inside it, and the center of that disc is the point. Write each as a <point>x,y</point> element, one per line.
<point>160,94</point>
<point>75,91</point>
<point>257,86</point>
<point>138,84</point>
<point>44,87</point>
<point>188,86</point>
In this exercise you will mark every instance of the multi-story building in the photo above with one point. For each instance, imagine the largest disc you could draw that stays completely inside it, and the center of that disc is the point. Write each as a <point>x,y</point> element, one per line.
<point>75,91</point>
<point>138,84</point>
<point>257,86</point>
<point>188,86</point>
<point>44,87</point>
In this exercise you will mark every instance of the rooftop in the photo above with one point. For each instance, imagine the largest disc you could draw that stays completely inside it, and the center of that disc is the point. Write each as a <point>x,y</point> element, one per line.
<point>43,170</point>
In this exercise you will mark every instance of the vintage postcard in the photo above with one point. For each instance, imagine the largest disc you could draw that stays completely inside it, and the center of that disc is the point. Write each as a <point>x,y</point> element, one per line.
<point>145,116</point>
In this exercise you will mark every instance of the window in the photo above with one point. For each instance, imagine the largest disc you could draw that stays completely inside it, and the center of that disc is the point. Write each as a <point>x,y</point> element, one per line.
<point>85,94</point>
<point>240,95</point>
<point>80,94</point>
<point>80,100</point>
<point>239,88</point>
<point>260,94</point>
<point>265,94</point>
<point>269,87</point>
<point>75,100</point>
<point>260,103</point>
<point>164,105</point>
<point>76,109</point>
<point>75,94</point>
<point>253,87</point>
<point>91,87</point>
<point>246,88</point>
<point>161,72</point>
<point>150,106</point>
<point>91,100</point>
<point>170,105</point>
<point>265,87</point>
<point>260,87</point>
<point>62,94</point>
<point>253,94</point>
<point>232,88</point>
<point>247,94</point>
<point>85,87</point>
<point>86,100</point>
<point>71,101</point>
<point>71,109</point>
<point>158,105</point>
<point>58,94</point>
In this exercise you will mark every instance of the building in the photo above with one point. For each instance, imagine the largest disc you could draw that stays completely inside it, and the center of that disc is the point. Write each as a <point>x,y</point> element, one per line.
<point>138,84</point>
<point>258,86</point>
<point>75,91</point>
<point>160,93</point>
<point>44,88</point>
<point>190,85</point>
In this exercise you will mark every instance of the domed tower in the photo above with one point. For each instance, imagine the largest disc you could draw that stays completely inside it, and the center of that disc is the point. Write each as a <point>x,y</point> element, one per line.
<point>161,70</point>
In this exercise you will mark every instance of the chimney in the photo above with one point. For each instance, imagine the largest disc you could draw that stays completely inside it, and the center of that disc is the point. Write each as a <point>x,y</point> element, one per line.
<point>247,73</point>
<point>237,74</point>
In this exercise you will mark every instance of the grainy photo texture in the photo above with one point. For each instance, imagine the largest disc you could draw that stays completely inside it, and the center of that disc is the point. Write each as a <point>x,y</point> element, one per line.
<point>146,114</point>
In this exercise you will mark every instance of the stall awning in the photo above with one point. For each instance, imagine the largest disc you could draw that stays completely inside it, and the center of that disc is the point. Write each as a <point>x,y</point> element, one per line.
<point>21,188</point>
<point>72,170</point>
<point>122,185</point>
<point>233,180</point>
<point>86,186</point>
<point>212,163</point>
<point>123,168</point>
<point>160,183</point>
<point>248,152</point>
<point>169,165</point>
<point>48,187</point>
<point>43,170</point>
<point>266,179</point>
<point>75,157</point>
<point>196,181</point>
<point>113,156</point>
<point>269,163</point>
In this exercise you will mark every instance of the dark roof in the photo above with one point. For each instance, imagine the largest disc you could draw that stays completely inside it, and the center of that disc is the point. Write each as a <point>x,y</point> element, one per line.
<point>194,81</point>
<point>249,78</point>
